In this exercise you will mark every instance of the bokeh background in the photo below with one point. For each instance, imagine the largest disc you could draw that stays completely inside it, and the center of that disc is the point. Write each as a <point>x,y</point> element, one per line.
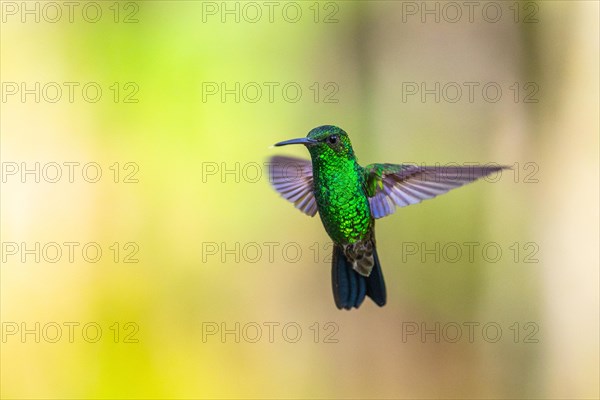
<point>362,56</point>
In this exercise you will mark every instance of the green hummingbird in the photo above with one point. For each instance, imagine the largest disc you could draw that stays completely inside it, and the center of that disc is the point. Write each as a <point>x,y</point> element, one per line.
<point>349,198</point>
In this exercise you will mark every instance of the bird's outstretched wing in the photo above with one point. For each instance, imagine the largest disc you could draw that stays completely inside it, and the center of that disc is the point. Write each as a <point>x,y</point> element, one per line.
<point>399,185</point>
<point>293,179</point>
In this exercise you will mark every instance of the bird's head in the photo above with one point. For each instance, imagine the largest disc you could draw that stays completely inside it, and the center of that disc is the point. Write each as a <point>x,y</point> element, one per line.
<point>325,142</point>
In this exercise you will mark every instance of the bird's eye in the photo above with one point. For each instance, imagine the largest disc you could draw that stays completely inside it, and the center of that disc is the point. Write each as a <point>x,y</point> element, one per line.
<point>332,139</point>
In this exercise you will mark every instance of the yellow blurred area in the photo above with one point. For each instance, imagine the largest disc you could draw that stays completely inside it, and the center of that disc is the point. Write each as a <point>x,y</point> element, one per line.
<point>144,254</point>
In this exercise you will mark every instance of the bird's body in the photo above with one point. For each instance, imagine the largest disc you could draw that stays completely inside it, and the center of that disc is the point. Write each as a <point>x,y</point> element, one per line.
<point>349,198</point>
<point>339,189</point>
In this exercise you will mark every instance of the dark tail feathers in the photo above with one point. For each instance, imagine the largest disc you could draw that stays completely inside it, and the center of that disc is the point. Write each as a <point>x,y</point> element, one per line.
<point>349,287</point>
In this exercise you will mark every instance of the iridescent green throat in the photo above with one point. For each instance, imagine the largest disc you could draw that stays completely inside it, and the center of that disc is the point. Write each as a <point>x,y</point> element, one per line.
<point>339,191</point>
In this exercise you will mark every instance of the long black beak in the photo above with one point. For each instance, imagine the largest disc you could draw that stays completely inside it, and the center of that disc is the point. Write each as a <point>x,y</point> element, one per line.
<point>304,141</point>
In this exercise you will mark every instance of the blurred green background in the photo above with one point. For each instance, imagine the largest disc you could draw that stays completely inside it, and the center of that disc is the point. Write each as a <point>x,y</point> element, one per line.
<point>363,55</point>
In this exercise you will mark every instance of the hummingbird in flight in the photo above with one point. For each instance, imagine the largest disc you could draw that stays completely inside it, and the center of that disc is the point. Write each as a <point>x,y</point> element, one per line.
<point>349,198</point>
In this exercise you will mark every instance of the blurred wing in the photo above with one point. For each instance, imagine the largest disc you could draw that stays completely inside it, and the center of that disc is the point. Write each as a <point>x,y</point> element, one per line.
<point>293,179</point>
<point>392,185</point>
